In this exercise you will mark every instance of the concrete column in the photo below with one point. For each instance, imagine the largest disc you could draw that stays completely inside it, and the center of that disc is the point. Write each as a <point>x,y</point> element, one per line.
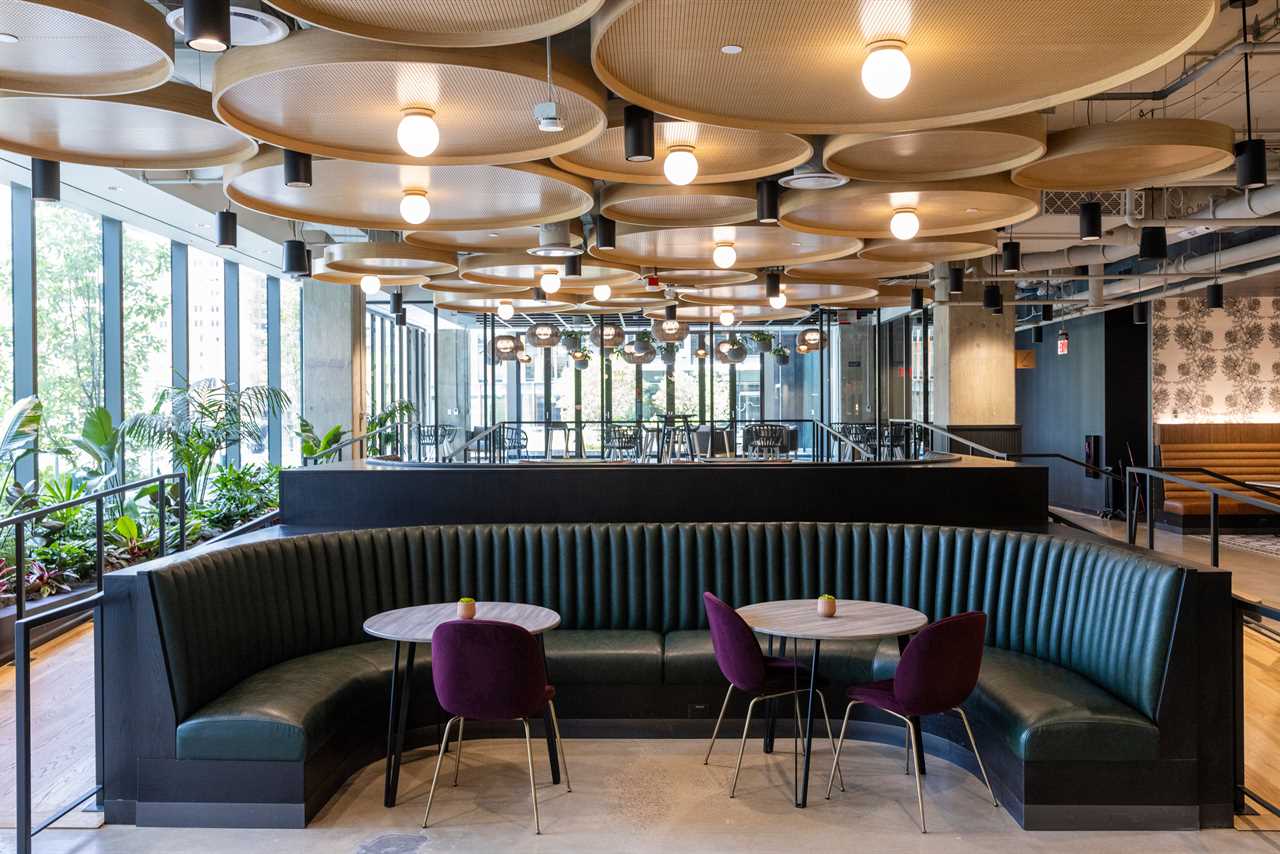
<point>973,361</point>
<point>332,355</point>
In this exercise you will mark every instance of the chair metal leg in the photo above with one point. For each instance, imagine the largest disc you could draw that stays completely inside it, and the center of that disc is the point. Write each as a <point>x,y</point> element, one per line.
<point>555,723</point>
<point>457,760</point>
<point>715,732</point>
<point>751,707</point>
<point>916,765</point>
<point>827,718</point>
<point>533,787</point>
<point>978,756</point>
<point>906,731</point>
<point>835,763</point>
<point>436,774</point>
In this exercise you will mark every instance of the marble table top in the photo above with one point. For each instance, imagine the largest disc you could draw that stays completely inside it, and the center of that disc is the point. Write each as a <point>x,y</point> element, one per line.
<point>854,619</point>
<point>415,624</point>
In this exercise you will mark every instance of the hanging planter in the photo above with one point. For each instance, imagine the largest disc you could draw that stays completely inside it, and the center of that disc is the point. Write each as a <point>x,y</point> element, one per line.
<point>782,355</point>
<point>581,359</point>
<point>668,353</point>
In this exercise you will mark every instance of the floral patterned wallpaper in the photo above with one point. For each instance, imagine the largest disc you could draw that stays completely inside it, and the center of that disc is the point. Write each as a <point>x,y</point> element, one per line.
<point>1215,366</point>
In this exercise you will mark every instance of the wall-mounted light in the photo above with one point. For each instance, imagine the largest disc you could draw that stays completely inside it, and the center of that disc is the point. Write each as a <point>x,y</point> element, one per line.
<point>297,169</point>
<point>418,134</point>
<point>206,25</point>
<point>637,129</point>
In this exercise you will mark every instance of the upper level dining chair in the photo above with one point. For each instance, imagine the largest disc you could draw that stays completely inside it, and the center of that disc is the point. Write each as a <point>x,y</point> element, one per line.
<point>487,670</point>
<point>937,672</point>
<point>759,676</point>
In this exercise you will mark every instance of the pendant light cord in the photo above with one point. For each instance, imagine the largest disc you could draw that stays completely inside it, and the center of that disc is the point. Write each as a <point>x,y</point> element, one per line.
<point>1248,101</point>
<point>551,89</point>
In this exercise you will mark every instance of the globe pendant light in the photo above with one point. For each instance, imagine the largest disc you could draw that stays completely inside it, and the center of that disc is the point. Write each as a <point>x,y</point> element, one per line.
<point>606,233</point>
<point>46,180</point>
<point>295,258</point>
<point>297,170</point>
<point>370,285</point>
<point>207,25</point>
<point>724,255</point>
<point>904,224</point>
<point>991,297</point>
<point>727,317</point>
<point>773,290</point>
<point>506,310</point>
<point>917,299</point>
<point>601,292</point>
<point>1153,244</point>
<point>680,165</point>
<point>886,71</point>
<point>549,281</point>
<point>767,195</point>
<point>418,133</point>
<point>1091,220</point>
<point>1251,154</point>
<point>415,207</point>
<point>955,278</point>
<point>1011,257</point>
<point>226,228</point>
<point>637,134</point>
<point>1214,296</point>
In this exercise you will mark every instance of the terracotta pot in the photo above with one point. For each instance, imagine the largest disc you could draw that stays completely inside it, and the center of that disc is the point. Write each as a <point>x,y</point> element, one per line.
<point>466,610</point>
<point>826,607</point>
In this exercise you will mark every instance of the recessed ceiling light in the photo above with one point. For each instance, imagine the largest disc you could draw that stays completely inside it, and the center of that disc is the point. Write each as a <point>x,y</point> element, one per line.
<point>731,49</point>
<point>8,38</point>
<point>493,234</point>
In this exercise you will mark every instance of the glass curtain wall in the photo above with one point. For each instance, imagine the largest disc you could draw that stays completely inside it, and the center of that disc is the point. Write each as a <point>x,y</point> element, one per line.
<point>6,291</point>
<point>253,351</point>
<point>148,336</point>
<point>206,332</point>
<point>291,369</point>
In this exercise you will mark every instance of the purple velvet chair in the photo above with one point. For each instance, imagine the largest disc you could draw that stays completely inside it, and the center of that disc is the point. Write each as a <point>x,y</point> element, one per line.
<point>490,671</point>
<point>937,672</point>
<point>755,674</point>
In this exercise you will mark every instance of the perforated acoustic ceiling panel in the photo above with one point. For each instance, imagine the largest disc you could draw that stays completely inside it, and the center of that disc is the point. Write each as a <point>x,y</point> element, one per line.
<point>478,304</point>
<point>84,47</point>
<point>168,127</point>
<point>800,61</point>
<point>520,268</point>
<point>955,247</point>
<point>455,285</point>
<point>368,195</point>
<point>798,294</point>
<point>940,154</point>
<point>855,269</point>
<point>689,313</point>
<point>755,245</point>
<point>706,278</point>
<point>862,209</point>
<point>696,204</point>
<point>378,258</point>
<point>338,96</point>
<point>509,239</point>
<point>443,23</point>
<point>724,154</point>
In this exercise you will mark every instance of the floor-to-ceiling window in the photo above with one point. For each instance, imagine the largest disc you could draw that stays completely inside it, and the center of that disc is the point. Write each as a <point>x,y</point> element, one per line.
<point>622,377</point>
<point>253,351</point>
<point>68,325</point>
<point>6,295</point>
<point>291,369</point>
<point>148,335</point>
<point>205,316</point>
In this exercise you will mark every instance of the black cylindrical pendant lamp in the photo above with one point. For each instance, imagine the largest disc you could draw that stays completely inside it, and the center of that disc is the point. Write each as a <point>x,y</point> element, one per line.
<point>1011,257</point>
<point>767,201</point>
<point>397,301</point>
<point>295,258</point>
<point>1037,335</point>
<point>1046,312</point>
<point>297,169</point>
<point>998,309</point>
<point>1091,220</point>
<point>573,265</point>
<point>917,299</point>
<point>1153,244</point>
<point>669,313</point>
<point>991,297</point>
<point>46,180</point>
<point>226,229</point>
<point>402,318</point>
<point>606,233</point>
<point>206,25</point>
<point>638,133</point>
<point>1213,295</point>
<point>1251,164</point>
<point>772,285</point>
<point>955,278</point>
<point>1139,314</point>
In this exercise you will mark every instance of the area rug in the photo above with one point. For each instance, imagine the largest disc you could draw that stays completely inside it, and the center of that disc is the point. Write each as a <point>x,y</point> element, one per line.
<point>1263,544</point>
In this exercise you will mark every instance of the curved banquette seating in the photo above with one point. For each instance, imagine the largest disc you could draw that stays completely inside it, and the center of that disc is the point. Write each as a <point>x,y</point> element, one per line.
<point>266,667</point>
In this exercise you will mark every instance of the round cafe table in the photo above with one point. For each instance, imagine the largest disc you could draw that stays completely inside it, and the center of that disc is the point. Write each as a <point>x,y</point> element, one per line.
<point>414,625</point>
<point>798,619</point>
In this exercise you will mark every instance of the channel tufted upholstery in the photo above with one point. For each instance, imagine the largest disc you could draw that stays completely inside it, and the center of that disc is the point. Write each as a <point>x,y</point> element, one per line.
<point>1078,634</point>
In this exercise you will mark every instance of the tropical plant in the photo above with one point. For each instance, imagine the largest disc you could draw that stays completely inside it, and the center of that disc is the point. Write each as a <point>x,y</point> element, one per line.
<point>198,422</point>
<point>240,494</point>
<point>19,437</point>
<point>313,444</point>
<point>381,443</point>
<point>100,440</point>
<point>41,580</point>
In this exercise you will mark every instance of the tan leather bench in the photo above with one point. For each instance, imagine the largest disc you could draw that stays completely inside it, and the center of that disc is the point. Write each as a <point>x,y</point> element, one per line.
<point>1246,452</point>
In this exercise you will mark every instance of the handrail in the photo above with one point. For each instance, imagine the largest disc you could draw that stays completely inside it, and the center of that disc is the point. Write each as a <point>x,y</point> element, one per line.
<point>1000,455</point>
<point>1105,472</point>
<point>844,440</point>
<point>263,521</point>
<point>362,438</point>
<point>473,441</point>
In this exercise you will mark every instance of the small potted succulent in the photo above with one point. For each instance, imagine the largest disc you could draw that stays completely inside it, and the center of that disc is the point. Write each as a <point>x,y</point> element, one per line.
<point>826,605</point>
<point>466,608</point>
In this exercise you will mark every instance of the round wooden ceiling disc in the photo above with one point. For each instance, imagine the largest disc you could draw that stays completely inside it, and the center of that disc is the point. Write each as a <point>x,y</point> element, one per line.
<point>690,313</point>
<point>467,24</point>
<point>505,239</point>
<point>861,209</point>
<point>706,278</point>
<point>954,247</point>
<point>586,310</point>
<point>799,293</point>
<point>389,258</point>
<point>521,268</point>
<point>1132,154</point>
<point>724,154</point>
<point>521,302</point>
<point>168,127</point>
<point>756,246</point>
<point>336,96</point>
<point>855,269</point>
<point>456,285</point>
<point>800,61</point>
<point>368,195</point>
<point>321,272</point>
<point>939,154</point>
<point>669,206</point>
<point>890,296</point>
<point>630,302</point>
<point>84,47</point>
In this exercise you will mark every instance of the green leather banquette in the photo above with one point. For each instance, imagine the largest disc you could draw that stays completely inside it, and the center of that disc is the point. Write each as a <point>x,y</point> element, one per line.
<point>265,660</point>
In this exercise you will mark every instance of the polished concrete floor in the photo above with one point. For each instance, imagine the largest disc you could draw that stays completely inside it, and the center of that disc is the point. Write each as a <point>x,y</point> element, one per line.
<point>652,796</point>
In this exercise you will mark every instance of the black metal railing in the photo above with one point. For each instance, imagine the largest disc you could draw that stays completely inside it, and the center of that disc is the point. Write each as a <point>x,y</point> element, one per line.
<point>25,625</point>
<point>918,437</point>
<point>399,434</point>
